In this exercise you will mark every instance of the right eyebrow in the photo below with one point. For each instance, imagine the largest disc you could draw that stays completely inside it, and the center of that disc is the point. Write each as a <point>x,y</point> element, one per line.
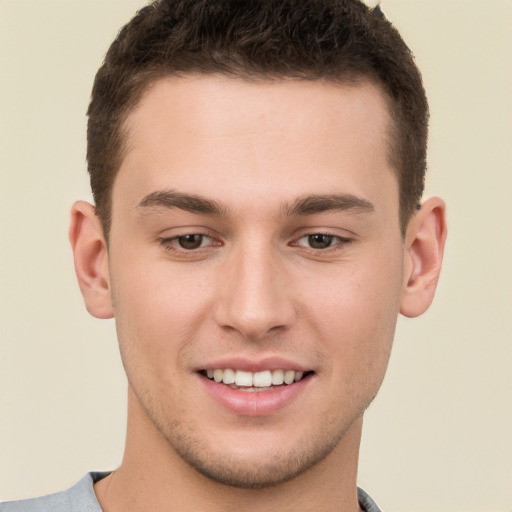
<point>169,199</point>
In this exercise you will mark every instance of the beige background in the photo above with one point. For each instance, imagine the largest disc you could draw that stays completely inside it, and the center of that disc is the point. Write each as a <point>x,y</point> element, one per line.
<point>438,438</point>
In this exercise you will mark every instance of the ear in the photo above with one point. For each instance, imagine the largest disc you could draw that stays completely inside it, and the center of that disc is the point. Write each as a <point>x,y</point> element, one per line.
<point>91,259</point>
<point>424,246</point>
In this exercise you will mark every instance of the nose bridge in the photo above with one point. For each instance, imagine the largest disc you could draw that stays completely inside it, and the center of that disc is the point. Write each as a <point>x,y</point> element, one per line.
<point>254,298</point>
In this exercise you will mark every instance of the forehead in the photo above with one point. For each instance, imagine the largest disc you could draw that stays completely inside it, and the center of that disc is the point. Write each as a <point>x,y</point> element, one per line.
<point>217,135</point>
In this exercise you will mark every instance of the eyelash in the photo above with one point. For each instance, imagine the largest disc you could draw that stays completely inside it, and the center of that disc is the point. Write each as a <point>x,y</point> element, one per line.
<point>337,242</point>
<point>172,244</point>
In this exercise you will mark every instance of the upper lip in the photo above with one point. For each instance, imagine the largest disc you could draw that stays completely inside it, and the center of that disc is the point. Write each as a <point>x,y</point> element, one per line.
<point>254,365</point>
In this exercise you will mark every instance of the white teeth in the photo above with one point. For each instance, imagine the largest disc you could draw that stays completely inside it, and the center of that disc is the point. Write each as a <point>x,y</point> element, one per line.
<point>277,377</point>
<point>243,378</point>
<point>289,377</point>
<point>229,377</point>
<point>264,379</point>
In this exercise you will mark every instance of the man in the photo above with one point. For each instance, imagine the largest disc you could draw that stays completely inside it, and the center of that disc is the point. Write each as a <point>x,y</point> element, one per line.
<point>257,169</point>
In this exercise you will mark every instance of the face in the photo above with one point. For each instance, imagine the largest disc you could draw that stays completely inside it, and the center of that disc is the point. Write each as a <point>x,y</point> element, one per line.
<point>255,238</point>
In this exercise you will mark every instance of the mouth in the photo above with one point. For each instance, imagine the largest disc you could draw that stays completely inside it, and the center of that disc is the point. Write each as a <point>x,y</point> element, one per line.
<point>266,380</point>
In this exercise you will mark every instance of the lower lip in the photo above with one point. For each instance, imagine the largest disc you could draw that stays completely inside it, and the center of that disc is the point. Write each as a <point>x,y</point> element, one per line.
<point>255,403</point>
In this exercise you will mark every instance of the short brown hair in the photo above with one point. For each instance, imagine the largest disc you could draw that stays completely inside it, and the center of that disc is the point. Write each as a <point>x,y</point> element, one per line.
<point>332,40</point>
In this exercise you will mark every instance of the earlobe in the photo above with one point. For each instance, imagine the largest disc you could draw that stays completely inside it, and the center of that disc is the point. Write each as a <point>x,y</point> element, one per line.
<point>91,259</point>
<point>424,247</point>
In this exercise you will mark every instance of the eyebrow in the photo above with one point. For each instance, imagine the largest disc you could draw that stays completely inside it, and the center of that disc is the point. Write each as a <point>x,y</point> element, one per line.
<point>310,205</point>
<point>189,202</point>
<point>303,206</point>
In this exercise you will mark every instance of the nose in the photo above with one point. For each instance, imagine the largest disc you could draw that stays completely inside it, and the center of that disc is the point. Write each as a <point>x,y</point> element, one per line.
<point>255,297</point>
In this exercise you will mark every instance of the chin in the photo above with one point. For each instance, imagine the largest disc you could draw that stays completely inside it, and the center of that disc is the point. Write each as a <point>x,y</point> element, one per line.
<point>260,472</point>
<point>254,465</point>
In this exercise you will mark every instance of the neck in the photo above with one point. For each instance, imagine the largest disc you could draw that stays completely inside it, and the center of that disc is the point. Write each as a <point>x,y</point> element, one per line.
<point>153,476</point>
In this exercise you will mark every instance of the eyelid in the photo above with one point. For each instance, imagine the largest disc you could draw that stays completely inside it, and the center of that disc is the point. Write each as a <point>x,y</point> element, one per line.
<point>170,244</point>
<point>339,243</point>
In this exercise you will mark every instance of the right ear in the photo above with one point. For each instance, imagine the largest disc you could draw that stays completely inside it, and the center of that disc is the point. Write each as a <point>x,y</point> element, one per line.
<point>91,259</point>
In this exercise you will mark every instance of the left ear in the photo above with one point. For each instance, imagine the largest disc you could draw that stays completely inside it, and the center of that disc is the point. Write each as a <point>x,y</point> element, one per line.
<point>424,246</point>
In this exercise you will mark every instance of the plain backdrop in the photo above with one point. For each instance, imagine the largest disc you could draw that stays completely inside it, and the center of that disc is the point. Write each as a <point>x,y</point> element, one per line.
<point>439,436</point>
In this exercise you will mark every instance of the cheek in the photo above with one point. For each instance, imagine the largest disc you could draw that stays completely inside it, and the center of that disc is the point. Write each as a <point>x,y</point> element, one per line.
<point>355,313</point>
<point>157,310</point>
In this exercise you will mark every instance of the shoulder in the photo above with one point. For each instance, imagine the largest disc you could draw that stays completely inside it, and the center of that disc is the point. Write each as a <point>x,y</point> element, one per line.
<point>78,498</point>
<point>366,502</point>
<point>56,502</point>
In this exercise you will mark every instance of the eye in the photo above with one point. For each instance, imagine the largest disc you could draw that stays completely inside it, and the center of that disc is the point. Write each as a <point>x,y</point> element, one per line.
<point>191,242</point>
<point>187,243</point>
<point>319,241</point>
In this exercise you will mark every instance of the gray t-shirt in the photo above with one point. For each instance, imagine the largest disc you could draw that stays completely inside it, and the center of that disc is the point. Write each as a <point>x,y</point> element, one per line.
<point>81,498</point>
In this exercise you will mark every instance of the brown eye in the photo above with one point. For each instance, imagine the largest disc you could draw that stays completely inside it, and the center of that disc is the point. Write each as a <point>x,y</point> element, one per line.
<point>320,241</point>
<point>190,241</point>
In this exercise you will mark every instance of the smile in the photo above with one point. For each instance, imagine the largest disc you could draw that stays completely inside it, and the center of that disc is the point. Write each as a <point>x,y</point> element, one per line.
<point>254,381</point>
<point>256,393</point>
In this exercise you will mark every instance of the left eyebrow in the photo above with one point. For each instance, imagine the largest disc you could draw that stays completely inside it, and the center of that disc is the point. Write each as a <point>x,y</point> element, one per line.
<point>310,205</point>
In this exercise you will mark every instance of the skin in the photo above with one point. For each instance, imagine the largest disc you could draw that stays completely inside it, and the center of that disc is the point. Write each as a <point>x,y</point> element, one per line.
<point>254,288</point>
